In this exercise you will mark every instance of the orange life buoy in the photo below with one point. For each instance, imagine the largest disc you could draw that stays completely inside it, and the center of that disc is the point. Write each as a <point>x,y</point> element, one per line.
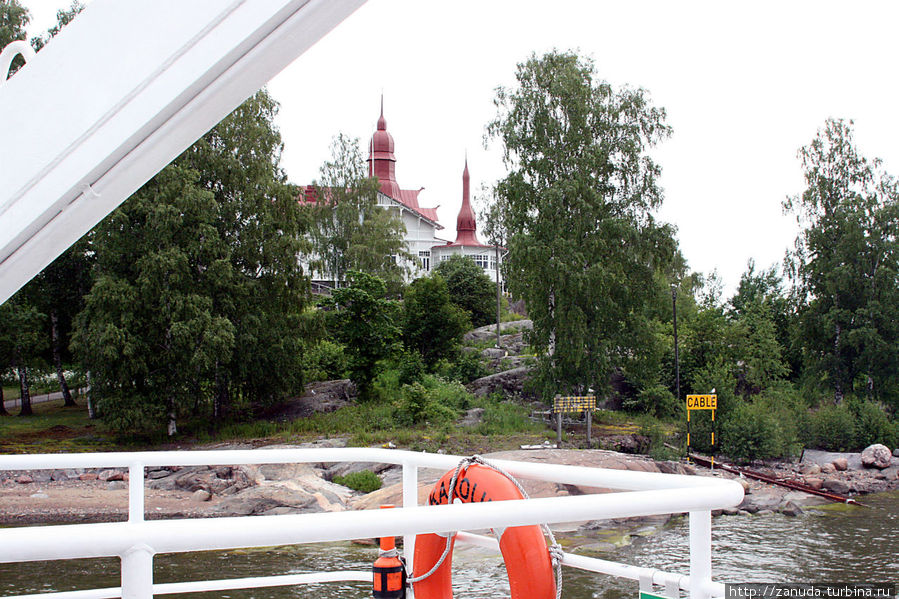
<point>524,548</point>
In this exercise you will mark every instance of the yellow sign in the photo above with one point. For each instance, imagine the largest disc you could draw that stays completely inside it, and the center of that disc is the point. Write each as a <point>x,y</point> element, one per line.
<point>702,402</point>
<point>568,405</point>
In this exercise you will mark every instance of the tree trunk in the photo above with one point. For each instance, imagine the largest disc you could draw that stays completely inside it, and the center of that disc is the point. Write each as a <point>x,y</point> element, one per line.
<point>221,402</point>
<point>24,388</point>
<point>57,361</point>
<point>91,411</point>
<point>173,424</point>
<point>838,378</point>
<point>3,410</point>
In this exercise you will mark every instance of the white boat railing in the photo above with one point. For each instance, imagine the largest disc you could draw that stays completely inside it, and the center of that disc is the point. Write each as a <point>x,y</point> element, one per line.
<point>136,541</point>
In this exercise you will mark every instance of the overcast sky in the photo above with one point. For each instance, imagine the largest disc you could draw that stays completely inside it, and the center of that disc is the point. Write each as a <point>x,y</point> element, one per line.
<point>745,85</point>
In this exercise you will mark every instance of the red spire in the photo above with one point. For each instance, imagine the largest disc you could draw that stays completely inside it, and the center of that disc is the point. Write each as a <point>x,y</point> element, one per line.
<point>465,223</point>
<point>381,161</point>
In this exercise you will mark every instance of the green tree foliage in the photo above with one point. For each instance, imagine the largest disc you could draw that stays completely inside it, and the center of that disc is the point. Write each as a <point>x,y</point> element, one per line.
<point>349,230</point>
<point>197,301</point>
<point>149,332</point>
<point>766,287</point>
<point>845,266</point>
<point>58,291</point>
<point>13,19</point>
<point>469,288</point>
<point>583,244</point>
<point>258,218</point>
<point>760,360</point>
<point>22,340</point>
<point>434,325</point>
<point>367,323</point>
<point>64,16</point>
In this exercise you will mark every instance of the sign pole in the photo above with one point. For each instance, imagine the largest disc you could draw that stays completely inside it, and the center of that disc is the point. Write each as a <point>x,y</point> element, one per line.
<point>702,402</point>
<point>589,422</point>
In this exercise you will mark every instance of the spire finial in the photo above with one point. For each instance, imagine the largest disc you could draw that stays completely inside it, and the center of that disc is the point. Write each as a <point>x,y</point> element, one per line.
<point>382,122</point>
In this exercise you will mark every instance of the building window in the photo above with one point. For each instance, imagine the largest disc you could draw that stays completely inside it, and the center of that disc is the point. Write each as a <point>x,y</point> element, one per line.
<point>445,257</point>
<point>424,258</point>
<point>492,262</point>
<point>481,260</point>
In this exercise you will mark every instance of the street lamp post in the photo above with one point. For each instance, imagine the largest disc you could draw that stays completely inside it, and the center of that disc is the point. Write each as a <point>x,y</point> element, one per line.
<point>676,357</point>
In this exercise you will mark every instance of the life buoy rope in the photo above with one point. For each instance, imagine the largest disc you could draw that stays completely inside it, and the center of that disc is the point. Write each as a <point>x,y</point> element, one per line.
<point>554,549</point>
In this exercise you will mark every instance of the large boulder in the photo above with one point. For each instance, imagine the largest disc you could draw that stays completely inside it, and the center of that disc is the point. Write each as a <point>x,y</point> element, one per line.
<point>837,486</point>
<point>877,456</point>
<point>505,328</point>
<point>510,382</point>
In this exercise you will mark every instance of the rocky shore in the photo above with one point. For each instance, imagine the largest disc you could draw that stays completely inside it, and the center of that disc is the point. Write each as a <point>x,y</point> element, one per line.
<point>79,495</point>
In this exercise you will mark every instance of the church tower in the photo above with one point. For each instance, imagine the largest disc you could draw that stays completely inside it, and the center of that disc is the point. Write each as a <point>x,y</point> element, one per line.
<point>381,161</point>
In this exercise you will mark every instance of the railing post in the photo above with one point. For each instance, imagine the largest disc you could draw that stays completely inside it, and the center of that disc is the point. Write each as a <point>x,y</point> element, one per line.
<point>137,573</point>
<point>700,553</point>
<point>410,499</point>
<point>136,492</point>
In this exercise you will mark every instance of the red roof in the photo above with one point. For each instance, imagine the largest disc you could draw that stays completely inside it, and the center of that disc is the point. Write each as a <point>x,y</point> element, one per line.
<point>382,164</point>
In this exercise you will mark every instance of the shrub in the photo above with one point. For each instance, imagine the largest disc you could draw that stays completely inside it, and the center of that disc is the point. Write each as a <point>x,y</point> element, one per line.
<point>655,400</point>
<point>364,481</point>
<point>872,425</point>
<point>467,367</point>
<point>751,432</point>
<point>324,361</point>
<point>469,288</point>
<point>833,428</point>
<point>433,400</point>
<point>434,325</point>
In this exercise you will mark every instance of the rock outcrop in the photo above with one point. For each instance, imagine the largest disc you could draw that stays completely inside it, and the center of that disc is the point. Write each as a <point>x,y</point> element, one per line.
<point>877,456</point>
<point>509,383</point>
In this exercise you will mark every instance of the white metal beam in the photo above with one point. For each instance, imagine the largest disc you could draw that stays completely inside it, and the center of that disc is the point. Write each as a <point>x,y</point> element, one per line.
<point>118,94</point>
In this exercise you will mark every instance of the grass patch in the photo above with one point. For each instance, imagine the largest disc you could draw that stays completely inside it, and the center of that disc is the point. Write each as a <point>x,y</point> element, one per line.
<point>364,481</point>
<point>53,429</point>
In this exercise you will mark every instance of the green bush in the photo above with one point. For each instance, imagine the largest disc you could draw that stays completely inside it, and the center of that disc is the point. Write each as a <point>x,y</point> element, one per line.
<point>753,432</point>
<point>433,400</point>
<point>655,400</point>
<point>467,367</point>
<point>469,288</point>
<point>324,361</point>
<point>872,425</point>
<point>364,481</point>
<point>833,428</point>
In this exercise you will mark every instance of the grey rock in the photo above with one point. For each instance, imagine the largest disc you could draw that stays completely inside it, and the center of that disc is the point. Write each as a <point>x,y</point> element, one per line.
<point>41,476</point>
<point>810,469</point>
<point>841,464</point>
<point>157,474</point>
<point>472,417</point>
<point>59,475</point>
<point>111,475</point>
<point>896,453</point>
<point>488,331</point>
<point>510,382</point>
<point>200,495</point>
<point>259,500</point>
<point>494,353</point>
<point>876,456</point>
<point>815,483</point>
<point>790,509</point>
<point>116,485</point>
<point>837,486</point>
<point>730,511</point>
<point>828,469</point>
